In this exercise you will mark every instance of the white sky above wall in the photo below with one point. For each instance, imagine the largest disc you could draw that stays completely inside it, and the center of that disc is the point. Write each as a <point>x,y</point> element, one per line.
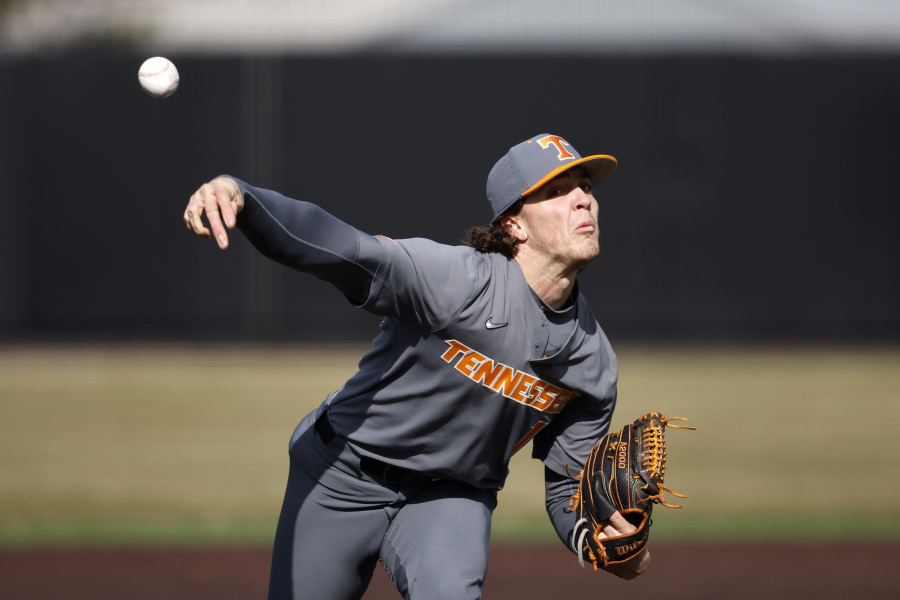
<point>459,26</point>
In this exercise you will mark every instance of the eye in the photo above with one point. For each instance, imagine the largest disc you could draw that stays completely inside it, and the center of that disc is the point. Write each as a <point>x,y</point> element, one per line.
<point>587,187</point>
<point>555,191</point>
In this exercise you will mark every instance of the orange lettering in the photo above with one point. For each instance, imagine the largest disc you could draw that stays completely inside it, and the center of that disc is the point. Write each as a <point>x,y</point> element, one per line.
<point>537,388</point>
<point>516,385</point>
<point>547,395</point>
<point>468,362</point>
<point>537,427</point>
<point>627,548</point>
<point>561,400</point>
<point>557,142</point>
<point>623,455</point>
<point>487,372</point>
<point>454,349</point>
<point>521,392</point>
<point>507,380</point>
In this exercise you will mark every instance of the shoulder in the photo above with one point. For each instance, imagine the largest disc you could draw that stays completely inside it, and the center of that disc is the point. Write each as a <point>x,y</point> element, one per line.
<point>429,252</point>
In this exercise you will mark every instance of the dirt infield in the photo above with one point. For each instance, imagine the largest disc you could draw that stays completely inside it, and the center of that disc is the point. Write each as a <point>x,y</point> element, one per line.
<point>522,572</point>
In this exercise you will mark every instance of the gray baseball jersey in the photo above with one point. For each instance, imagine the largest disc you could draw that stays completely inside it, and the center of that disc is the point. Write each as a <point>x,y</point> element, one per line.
<point>402,463</point>
<point>469,365</point>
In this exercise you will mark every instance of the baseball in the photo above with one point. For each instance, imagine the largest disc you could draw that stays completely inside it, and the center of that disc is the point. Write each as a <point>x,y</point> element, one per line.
<point>159,77</point>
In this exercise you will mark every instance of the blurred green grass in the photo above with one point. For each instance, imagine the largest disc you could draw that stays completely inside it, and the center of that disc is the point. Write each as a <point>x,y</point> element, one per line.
<point>187,444</point>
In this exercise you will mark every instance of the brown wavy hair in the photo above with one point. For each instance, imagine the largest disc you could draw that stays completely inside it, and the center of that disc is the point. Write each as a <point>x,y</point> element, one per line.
<point>494,237</point>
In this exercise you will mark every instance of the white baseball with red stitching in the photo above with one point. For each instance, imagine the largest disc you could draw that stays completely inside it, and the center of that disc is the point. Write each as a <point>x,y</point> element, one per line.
<point>158,77</point>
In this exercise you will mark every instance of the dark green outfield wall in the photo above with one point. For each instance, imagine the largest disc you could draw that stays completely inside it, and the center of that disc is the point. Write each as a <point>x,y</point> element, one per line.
<point>756,197</point>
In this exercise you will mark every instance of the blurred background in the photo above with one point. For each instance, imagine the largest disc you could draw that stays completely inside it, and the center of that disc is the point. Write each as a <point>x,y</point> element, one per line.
<point>749,278</point>
<point>756,195</point>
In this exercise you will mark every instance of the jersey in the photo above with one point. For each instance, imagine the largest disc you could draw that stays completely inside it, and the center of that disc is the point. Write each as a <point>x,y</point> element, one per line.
<point>469,365</point>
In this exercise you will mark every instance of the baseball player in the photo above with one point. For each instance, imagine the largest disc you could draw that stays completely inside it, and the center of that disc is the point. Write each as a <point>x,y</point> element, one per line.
<point>483,347</point>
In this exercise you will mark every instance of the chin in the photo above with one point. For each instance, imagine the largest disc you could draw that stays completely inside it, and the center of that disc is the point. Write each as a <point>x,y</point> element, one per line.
<point>591,250</point>
<point>586,257</point>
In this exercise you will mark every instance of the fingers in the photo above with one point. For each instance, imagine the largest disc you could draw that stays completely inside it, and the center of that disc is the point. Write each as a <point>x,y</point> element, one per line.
<point>616,525</point>
<point>196,206</point>
<point>220,200</point>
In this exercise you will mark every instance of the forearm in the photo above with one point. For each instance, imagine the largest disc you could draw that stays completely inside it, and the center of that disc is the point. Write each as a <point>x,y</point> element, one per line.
<point>559,491</point>
<point>305,237</point>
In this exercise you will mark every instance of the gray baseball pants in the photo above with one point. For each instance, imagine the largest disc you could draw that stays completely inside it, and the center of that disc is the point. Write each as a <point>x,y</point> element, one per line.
<point>343,513</point>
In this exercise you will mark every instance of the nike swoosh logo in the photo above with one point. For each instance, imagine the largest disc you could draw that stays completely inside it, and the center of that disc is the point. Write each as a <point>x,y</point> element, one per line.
<point>491,325</point>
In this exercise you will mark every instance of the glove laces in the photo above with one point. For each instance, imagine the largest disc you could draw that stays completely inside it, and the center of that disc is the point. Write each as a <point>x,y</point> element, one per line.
<point>654,455</point>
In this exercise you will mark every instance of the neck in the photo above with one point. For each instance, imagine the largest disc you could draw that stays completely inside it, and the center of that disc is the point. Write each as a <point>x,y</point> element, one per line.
<point>552,286</point>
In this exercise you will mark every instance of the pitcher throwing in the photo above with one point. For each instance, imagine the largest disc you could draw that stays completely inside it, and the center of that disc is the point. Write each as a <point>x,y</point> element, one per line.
<point>483,347</point>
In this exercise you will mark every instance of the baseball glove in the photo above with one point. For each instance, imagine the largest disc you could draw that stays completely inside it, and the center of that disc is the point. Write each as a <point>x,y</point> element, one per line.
<point>623,472</point>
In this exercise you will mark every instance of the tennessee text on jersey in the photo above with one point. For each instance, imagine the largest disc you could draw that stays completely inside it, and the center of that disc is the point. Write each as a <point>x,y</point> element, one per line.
<point>516,385</point>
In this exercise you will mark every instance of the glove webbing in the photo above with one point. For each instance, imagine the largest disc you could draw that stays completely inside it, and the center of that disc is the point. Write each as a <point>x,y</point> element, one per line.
<point>653,440</point>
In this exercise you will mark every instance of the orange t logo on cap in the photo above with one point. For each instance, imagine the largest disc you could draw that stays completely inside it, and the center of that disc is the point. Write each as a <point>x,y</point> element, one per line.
<point>557,142</point>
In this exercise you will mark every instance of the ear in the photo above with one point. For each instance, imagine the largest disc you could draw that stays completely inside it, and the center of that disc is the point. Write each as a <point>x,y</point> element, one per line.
<point>515,228</point>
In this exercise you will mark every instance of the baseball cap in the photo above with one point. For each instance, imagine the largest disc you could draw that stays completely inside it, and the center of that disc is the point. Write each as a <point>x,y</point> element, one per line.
<point>532,163</point>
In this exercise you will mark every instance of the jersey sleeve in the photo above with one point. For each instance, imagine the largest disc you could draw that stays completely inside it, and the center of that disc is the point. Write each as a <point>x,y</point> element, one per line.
<point>423,283</point>
<point>559,489</point>
<point>564,446</point>
<point>419,282</point>
<point>303,236</point>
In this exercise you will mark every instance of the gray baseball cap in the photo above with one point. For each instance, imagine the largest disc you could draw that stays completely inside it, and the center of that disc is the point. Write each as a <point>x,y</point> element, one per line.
<point>531,164</point>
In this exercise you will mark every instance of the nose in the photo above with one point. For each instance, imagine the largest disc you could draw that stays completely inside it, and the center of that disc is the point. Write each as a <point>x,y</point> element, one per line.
<point>581,199</point>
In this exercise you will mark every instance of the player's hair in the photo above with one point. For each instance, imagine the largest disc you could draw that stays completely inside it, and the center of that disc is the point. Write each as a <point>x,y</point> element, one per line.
<point>494,237</point>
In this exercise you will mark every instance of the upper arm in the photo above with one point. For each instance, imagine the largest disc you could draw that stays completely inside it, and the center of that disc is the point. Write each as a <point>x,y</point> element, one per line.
<point>423,283</point>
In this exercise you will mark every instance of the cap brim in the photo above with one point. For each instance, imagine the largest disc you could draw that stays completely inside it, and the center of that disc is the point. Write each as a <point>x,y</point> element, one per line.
<point>598,166</point>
